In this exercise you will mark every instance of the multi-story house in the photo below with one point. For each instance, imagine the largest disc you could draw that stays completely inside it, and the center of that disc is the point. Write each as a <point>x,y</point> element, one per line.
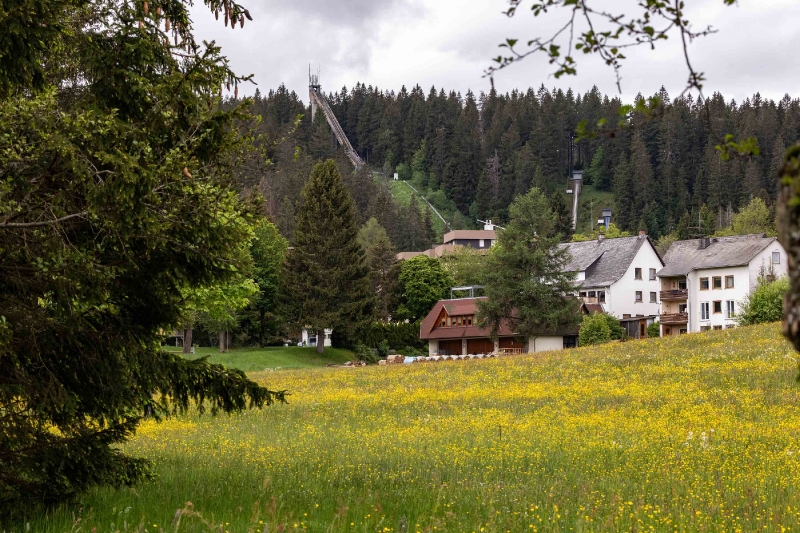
<point>704,280</point>
<point>451,329</point>
<point>620,276</point>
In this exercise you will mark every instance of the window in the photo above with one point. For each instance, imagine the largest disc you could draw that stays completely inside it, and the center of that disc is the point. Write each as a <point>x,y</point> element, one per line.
<point>716,282</point>
<point>703,284</point>
<point>637,273</point>
<point>682,285</point>
<point>717,328</point>
<point>682,331</point>
<point>705,328</point>
<point>583,294</point>
<point>682,308</point>
<point>730,309</point>
<point>717,306</point>
<point>776,258</point>
<point>728,282</point>
<point>652,274</point>
<point>592,294</point>
<point>704,314</point>
<point>570,341</point>
<point>480,243</point>
<point>638,296</point>
<point>601,297</point>
<point>469,320</point>
<point>653,298</point>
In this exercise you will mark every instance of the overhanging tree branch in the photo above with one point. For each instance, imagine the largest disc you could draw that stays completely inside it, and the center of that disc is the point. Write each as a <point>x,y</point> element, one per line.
<point>12,225</point>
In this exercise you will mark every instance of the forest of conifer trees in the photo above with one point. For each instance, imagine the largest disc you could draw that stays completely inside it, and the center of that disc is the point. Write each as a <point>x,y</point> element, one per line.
<point>474,154</point>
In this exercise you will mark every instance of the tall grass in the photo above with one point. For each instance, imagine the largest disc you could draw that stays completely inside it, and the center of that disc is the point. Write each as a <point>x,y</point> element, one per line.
<point>697,433</point>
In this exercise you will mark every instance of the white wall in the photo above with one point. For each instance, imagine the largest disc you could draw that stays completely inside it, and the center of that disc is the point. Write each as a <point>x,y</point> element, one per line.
<point>545,343</point>
<point>621,296</point>
<point>306,334</point>
<point>765,258</point>
<point>741,286</point>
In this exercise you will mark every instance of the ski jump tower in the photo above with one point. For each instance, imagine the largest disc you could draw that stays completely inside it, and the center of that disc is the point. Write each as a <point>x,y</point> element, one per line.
<point>318,101</point>
<point>574,182</point>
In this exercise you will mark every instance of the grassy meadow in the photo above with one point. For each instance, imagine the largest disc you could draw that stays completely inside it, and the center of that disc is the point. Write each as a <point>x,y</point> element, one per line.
<point>697,433</point>
<point>272,357</point>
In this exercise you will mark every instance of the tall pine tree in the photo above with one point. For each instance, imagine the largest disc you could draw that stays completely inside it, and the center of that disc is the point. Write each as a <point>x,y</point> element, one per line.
<point>328,276</point>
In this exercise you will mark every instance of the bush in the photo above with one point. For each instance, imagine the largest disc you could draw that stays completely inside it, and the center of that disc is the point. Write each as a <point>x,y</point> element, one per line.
<point>366,354</point>
<point>764,304</point>
<point>618,333</point>
<point>383,348</point>
<point>654,330</point>
<point>396,334</point>
<point>594,330</point>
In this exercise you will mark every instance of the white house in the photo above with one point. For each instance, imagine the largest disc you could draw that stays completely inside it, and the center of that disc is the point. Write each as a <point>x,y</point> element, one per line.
<point>620,276</point>
<point>705,280</point>
<point>308,337</point>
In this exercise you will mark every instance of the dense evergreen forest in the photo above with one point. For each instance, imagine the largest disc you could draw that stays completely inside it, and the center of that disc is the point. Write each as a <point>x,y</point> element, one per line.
<point>471,155</point>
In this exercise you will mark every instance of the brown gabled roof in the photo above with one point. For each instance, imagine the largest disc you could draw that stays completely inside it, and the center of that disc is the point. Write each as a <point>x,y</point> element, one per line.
<point>459,307</point>
<point>593,309</point>
<point>469,306</point>
<point>435,252</point>
<point>469,234</point>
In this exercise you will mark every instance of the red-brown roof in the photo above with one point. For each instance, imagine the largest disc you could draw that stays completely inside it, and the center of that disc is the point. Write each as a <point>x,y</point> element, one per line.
<point>593,309</point>
<point>459,307</point>
<point>469,306</point>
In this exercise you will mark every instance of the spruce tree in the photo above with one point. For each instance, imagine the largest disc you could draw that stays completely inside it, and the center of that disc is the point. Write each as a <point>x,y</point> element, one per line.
<point>116,199</point>
<point>562,216</point>
<point>328,276</point>
<point>526,282</point>
<point>381,260</point>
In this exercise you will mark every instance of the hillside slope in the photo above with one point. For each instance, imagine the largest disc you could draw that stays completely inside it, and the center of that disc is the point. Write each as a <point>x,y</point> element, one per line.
<point>693,433</point>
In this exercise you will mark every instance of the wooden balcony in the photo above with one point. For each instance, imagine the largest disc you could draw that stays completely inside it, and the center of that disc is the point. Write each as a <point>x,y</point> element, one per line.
<point>677,294</point>
<point>674,318</point>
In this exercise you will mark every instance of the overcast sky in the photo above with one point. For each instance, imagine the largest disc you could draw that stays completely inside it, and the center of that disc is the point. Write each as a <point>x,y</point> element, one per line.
<point>449,43</point>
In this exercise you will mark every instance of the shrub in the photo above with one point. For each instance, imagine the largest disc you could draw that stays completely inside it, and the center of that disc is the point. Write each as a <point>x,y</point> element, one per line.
<point>654,330</point>
<point>366,354</point>
<point>594,330</point>
<point>764,304</point>
<point>618,333</point>
<point>383,348</point>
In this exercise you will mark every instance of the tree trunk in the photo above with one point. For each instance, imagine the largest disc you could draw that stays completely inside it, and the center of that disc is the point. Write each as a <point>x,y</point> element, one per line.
<point>222,341</point>
<point>261,331</point>
<point>320,341</point>
<point>187,340</point>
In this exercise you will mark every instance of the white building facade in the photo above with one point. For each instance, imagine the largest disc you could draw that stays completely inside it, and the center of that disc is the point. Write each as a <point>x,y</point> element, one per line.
<point>308,337</point>
<point>620,276</point>
<point>704,281</point>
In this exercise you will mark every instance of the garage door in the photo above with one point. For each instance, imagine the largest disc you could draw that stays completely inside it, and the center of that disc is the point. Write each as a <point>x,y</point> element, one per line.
<point>450,347</point>
<point>476,346</point>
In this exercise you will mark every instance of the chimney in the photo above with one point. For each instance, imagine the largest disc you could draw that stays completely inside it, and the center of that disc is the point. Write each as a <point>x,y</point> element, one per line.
<point>600,237</point>
<point>642,233</point>
<point>704,242</point>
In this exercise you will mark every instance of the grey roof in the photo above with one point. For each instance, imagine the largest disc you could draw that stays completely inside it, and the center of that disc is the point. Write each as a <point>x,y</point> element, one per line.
<point>685,256</point>
<point>606,261</point>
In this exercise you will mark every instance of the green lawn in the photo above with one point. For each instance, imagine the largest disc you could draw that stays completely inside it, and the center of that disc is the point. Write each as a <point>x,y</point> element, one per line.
<point>693,433</point>
<point>274,357</point>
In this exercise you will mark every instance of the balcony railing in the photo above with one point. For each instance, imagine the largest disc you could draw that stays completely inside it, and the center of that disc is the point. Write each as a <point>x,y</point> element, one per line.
<point>675,318</point>
<point>677,294</point>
